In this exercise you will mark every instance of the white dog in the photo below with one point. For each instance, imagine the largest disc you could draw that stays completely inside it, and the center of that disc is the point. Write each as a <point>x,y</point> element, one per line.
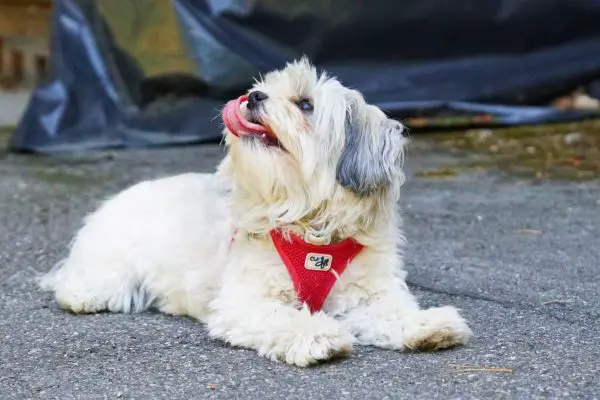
<point>293,248</point>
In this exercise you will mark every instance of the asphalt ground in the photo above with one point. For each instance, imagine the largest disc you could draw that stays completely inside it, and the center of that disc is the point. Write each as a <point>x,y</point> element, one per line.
<point>518,256</point>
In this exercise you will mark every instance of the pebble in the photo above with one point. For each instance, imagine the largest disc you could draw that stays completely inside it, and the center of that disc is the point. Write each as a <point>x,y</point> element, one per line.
<point>572,138</point>
<point>483,134</point>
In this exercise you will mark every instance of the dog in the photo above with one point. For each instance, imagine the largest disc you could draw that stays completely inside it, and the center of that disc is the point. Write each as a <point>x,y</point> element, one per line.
<point>293,247</point>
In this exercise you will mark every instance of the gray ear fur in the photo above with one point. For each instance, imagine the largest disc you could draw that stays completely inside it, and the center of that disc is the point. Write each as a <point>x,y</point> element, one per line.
<point>372,155</point>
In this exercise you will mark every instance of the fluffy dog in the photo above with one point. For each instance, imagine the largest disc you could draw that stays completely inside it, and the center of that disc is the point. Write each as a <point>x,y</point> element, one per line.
<point>311,168</point>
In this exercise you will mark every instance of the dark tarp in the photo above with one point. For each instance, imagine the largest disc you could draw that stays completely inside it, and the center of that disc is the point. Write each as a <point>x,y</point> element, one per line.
<point>156,72</point>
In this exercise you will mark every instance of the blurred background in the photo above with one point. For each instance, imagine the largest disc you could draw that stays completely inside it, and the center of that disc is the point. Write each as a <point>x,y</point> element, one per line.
<point>94,74</point>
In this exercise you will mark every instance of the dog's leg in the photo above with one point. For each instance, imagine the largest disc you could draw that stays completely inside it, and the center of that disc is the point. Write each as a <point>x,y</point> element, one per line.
<point>84,289</point>
<point>277,331</point>
<point>392,319</point>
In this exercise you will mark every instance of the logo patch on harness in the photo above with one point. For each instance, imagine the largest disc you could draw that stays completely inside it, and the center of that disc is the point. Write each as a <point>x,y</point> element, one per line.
<point>318,262</point>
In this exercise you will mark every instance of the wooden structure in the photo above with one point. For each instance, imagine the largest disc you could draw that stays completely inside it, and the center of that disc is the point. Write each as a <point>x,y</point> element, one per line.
<point>24,31</point>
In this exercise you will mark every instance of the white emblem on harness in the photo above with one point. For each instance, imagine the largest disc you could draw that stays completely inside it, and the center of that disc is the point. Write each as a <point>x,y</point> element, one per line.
<point>318,262</point>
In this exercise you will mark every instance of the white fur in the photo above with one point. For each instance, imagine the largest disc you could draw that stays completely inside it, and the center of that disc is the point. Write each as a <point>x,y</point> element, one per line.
<point>166,243</point>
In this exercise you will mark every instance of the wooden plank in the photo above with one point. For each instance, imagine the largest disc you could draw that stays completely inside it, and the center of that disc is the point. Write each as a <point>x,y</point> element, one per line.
<point>26,3</point>
<point>26,19</point>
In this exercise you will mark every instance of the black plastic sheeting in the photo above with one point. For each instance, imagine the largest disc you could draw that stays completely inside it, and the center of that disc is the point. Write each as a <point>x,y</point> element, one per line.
<point>504,59</point>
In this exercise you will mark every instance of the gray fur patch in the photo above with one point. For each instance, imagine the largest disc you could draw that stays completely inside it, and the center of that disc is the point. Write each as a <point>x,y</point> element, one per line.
<point>140,300</point>
<point>370,160</point>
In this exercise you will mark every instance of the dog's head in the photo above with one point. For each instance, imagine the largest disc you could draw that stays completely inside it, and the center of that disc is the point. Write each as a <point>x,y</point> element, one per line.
<point>302,143</point>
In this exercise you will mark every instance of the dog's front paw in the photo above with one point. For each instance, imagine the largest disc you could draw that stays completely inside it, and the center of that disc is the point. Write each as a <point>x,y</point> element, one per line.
<point>310,350</point>
<point>319,340</point>
<point>436,329</point>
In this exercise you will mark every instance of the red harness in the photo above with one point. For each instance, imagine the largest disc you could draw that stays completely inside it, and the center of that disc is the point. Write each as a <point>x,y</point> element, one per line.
<point>314,269</point>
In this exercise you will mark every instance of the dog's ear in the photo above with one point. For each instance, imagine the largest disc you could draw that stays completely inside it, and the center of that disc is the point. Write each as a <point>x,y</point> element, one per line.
<point>373,152</point>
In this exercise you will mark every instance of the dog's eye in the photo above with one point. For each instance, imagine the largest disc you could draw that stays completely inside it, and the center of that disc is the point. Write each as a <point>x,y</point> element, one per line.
<point>304,105</point>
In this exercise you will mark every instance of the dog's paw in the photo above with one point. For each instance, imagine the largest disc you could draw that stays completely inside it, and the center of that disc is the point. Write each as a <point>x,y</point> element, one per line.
<point>316,339</point>
<point>436,329</point>
<point>78,304</point>
<point>310,350</point>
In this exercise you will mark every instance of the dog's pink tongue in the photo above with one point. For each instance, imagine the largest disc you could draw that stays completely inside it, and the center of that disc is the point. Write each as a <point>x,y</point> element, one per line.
<point>237,124</point>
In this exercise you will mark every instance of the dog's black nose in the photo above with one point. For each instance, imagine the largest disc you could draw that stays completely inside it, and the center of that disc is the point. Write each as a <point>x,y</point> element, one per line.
<point>254,98</point>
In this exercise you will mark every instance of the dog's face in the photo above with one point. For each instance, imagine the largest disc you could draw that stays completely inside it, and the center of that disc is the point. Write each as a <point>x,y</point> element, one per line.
<point>298,140</point>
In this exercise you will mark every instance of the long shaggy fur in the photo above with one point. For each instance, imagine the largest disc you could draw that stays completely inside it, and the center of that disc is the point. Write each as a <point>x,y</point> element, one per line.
<point>167,243</point>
